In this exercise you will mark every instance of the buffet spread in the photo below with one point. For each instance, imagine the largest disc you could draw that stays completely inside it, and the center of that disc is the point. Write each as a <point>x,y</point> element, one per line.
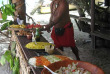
<point>26,49</point>
<point>35,54</point>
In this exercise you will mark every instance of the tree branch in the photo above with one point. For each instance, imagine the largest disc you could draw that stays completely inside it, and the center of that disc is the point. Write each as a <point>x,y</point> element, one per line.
<point>4,34</point>
<point>30,18</point>
<point>81,18</point>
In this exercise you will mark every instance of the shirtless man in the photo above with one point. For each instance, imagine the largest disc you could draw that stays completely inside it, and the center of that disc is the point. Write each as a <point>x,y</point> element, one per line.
<point>62,32</point>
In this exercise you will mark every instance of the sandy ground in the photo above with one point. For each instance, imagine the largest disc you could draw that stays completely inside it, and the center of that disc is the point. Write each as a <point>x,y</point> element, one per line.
<point>99,57</point>
<point>4,44</point>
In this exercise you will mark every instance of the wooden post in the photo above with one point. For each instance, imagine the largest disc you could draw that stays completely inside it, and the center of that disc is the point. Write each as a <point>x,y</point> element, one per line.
<point>93,21</point>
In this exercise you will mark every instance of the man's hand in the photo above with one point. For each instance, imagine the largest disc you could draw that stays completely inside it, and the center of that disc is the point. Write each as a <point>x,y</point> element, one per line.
<point>45,28</point>
<point>41,28</point>
<point>48,30</point>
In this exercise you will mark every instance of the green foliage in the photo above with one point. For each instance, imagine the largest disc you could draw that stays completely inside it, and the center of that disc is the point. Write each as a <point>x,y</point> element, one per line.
<point>7,10</point>
<point>5,25</point>
<point>3,21</point>
<point>11,59</point>
<point>16,66</point>
<point>6,57</point>
<point>13,45</point>
<point>2,61</point>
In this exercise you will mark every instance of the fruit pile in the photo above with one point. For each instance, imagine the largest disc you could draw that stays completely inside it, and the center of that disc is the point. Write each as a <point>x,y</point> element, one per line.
<point>23,33</point>
<point>33,26</point>
<point>26,26</point>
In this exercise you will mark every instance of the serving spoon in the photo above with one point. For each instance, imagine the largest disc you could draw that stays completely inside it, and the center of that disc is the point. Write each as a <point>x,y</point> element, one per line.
<point>50,70</point>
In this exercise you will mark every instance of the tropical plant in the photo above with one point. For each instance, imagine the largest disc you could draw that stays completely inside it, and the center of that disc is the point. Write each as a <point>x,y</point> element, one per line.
<point>7,10</point>
<point>10,57</point>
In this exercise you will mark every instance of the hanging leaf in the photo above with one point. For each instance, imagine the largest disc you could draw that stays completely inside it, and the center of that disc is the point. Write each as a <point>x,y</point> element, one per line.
<point>2,60</point>
<point>4,16</point>
<point>14,61</point>
<point>3,21</point>
<point>13,46</point>
<point>4,26</point>
<point>9,1</point>
<point>11,64</point>
<point>5,57</point>
<point>13,6</point>
<point>16,66</point>
<point>2,2</point>
<point>7,10</point>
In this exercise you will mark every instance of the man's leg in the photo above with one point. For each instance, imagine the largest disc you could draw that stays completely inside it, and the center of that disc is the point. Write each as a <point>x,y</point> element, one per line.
<point>75,51</point>
<point>61,48</point>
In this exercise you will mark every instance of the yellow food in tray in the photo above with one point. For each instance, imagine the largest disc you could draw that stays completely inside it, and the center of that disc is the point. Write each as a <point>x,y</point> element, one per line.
<point>39,45</point>
<point>14,26</point>
<point>17,26</point>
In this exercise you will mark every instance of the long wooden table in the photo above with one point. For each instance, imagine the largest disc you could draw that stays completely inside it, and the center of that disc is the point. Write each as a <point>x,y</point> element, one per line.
<point>25,54</point>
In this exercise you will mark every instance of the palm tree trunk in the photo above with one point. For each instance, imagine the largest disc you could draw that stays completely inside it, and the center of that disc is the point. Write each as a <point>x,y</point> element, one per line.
<point>20,10</point>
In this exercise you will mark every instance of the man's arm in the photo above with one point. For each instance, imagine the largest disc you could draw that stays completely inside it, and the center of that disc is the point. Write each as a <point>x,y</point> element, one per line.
<point>58,15</point>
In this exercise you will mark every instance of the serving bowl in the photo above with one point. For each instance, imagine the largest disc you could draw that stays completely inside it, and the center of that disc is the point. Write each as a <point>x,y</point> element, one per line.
<point>85,65</point>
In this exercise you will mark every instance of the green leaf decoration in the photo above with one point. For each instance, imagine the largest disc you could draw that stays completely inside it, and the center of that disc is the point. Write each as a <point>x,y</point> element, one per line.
<point>11,64</point>
<point>16,66</point>
<point>8,55</point>
<point>14,61</point>
<point>2,60</point>
<point>4,16</point>
<point>3,21</point>
<point>7,10</point>
<point>13,6</point>
<point>9,1</point>
<point>5,25</point>
<point>13,46</point>
<point>2,2</point>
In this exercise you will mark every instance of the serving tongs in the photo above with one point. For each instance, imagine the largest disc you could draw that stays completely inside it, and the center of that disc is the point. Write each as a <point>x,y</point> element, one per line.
<point>49,70</point>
